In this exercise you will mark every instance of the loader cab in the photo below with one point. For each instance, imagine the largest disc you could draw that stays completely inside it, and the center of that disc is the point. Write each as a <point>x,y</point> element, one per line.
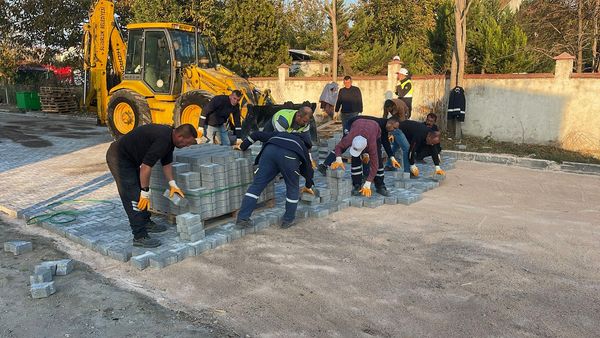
<point>157,53</point>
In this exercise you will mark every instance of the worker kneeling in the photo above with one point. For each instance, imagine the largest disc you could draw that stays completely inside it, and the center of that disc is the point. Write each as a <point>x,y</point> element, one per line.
<point>285,153</point>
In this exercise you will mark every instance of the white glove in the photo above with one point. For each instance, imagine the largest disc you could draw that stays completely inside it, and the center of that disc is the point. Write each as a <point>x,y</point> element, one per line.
<point>174,189</point>
<point>367,185</point>
<point>145,194</point>
<point>338,159</point>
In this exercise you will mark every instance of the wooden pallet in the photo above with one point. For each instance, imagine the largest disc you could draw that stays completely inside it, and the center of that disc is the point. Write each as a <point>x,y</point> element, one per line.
<point>327,129</point>
<point>58,100</point>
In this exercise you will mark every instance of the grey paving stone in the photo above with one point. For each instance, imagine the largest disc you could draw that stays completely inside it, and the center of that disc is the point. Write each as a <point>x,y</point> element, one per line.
<point>42,290</point>
<point>200,246</point>
<point>122,254</point>
<point>18,247</point>
<point>64,267</point>
<point>390,200</point>
<point>43,276</point>
<point>356,202</point>
<point>51,265</point>
<point>141,262</point>
<point>373,202</point>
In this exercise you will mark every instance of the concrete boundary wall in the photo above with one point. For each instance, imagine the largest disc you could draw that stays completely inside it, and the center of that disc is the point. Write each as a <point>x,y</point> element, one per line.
<point>558,108</point>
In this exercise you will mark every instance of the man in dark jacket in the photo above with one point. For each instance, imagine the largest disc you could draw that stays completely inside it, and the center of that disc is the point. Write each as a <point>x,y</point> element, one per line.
<point>349,100</point>
<point>130,160</point>
<point>215,114</point>
<point>420,136</point>
<point>285,153</point>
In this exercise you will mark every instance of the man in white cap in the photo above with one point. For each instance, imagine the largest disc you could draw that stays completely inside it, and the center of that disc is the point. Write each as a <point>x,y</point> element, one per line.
<point>363,137</point>
<point>404,88</point>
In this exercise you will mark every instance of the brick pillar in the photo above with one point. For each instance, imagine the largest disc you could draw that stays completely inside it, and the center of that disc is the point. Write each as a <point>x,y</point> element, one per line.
<point>283,72</point>
<point>564,66</point>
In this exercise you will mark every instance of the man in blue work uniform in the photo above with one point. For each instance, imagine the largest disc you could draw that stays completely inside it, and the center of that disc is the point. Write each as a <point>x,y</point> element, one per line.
<point>285,153</point>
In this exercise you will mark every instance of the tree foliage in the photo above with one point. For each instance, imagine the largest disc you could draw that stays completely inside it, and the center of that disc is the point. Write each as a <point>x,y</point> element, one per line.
<point>251,41</point>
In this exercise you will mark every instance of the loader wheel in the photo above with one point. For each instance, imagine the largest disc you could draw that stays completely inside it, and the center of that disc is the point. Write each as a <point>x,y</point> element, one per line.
<point>188,107</point>
<point>127,110</point>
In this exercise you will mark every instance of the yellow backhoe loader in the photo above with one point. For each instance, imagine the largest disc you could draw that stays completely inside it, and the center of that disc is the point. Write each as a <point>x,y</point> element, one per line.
<point>164,74</point>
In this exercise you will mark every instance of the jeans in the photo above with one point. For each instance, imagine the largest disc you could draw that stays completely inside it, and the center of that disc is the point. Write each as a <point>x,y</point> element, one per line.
<point>219,134</point>
<point>400,142</point>
<point>274,160</point>
<point>127,178</point>
<point>345,117</point>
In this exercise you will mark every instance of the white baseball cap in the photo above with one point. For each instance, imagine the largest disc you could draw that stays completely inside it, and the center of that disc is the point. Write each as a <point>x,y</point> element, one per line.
<point>396,58</point>
<point>402,71</point>
<point>359,144</point>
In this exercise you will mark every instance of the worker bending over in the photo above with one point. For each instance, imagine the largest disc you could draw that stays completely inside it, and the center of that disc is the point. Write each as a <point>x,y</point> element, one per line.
<point>215,114</point>
<point>397,107</point>
<point>293,121</point>
<point>364,135</point>
<point>285,153</point>
<point>130,160</point>
<point>420,137</point>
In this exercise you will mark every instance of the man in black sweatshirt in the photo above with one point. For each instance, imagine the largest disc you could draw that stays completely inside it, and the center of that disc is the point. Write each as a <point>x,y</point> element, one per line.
<point>349,100</point>
<point>420,136</point>
<point>215,114</point>
<point>285,153</point>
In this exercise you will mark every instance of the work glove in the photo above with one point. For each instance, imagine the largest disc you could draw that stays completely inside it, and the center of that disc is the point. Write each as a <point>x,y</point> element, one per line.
<point>395,163</point>
<point>338,163</point>
<point>366,189</point>
<point>174,189</point>
<point>391,138</point>
<point>307,190</point>
<point>144,201</point>
<point>439,171</point>
<point>414,170</point>
<point>236,147</point>
<point>200,132</point>
<point>365,158</point>
<point>238,142</point>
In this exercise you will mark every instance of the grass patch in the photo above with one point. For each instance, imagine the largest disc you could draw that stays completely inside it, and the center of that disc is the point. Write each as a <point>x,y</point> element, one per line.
<point>543,152</point>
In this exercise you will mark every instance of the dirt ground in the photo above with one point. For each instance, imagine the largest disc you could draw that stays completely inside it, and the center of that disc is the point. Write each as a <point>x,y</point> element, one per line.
<point>86,303</point>
<point>495,251</point>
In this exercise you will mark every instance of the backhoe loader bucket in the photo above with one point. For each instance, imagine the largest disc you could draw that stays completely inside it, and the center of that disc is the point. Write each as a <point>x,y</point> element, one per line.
<point>258,116</point>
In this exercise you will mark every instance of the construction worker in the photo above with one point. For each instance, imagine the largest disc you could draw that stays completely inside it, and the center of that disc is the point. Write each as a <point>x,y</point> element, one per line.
<point>397,107</point>
<point>363,136</point>
<point>419,137</point>
<point>430,121</point>
<point>349,101</point>
<point>293,121</point>
<point>285,153</point>
<point>404,88</point>
<point>387,126</point>
<point>130,160</point>
<point>215,114</point>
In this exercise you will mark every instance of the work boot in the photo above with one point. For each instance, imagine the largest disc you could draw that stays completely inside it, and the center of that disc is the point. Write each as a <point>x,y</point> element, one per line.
<point>356,190</point>
<point>286,224</point>
<point>244,223</point>
<point>155,228</point>
<point>382,191</point>
<point>146,242</point>
<point>389,168</point>
<point>322,169</point>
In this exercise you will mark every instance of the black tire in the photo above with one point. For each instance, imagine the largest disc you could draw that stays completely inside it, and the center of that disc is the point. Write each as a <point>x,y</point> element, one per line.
<point>195,97</point>
<point>138,104</point>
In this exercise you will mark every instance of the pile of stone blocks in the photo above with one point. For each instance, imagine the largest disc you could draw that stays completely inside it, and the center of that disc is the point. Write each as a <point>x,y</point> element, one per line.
<point>42,285</point>
<point>18,247</point>
<point>190,227</point>
<point>213,178</point>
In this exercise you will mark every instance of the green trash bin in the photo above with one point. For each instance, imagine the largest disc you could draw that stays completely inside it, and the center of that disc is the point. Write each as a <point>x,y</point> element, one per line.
<point>28,101</point>
<point>22,98</point>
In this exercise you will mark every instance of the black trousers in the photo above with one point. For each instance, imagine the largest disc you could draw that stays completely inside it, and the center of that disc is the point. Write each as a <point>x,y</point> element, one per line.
<point>408,101</point>
<point>429,150</point>
<point>127,178</point>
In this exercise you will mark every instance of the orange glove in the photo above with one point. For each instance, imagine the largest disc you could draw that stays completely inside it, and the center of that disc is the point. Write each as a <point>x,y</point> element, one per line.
<point>338,163</point>
<point>395,163</point>
<point>391,138</point>
<point>414,170</point>
<point>439,171</point>
<point>144,202</point>
<point>365,158</point>
<point>307,190</point>
<point>200,132</point>
<point>174,189</point>
<point>366,189</point>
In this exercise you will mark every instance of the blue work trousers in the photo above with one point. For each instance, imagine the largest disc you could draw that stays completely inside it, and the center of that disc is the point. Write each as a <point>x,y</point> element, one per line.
<point>274,160</point>
<point>400,142</point>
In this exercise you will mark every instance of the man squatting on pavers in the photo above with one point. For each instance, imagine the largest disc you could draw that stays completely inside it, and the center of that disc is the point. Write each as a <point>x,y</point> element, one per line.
<point>130,160</point>
<point>285,153</point>
<point>420,137</point>
<point>363,134</point>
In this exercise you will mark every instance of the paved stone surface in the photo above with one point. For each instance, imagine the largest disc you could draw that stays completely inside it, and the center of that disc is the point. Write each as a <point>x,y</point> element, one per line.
<point>74,195</point>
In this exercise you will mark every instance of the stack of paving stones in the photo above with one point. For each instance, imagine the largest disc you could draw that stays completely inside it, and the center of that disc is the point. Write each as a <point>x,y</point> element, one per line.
<point>214,179</point>
<point>41,281</point>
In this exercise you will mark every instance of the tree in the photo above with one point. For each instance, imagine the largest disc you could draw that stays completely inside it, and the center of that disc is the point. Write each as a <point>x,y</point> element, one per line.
<point>305,23</point>
<point>441,37</point>
<point>252,41</point>
<point>457,71</point>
